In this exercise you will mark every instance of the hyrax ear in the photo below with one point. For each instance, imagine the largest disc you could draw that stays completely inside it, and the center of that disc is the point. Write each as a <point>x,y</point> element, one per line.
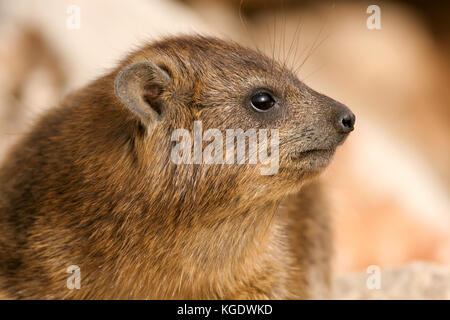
<point>139,87</point>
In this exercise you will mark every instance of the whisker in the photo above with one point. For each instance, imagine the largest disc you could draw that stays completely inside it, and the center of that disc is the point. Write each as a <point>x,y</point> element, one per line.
<point>313,72</point>
<point>283,32</point>
<point>312,49</point>
<point>245,26</point>
<point>274,39</point>
<point>294,38</point>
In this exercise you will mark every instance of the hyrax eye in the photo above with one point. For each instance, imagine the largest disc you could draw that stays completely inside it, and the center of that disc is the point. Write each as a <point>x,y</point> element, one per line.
<point>262,102</point>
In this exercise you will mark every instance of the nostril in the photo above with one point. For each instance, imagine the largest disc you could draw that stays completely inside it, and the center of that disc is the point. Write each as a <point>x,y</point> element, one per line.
<point>347,122</point>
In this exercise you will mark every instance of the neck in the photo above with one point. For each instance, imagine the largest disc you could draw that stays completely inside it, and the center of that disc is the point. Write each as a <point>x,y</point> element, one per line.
<point>222,251</point>
<point>227,236</point>
<point>201,241</point>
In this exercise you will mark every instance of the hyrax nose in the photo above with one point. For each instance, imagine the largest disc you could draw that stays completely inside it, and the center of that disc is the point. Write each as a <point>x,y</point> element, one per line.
<point>345,120</point>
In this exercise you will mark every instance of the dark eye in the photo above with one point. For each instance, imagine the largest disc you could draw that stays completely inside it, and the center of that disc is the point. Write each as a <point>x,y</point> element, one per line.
<point>262,102</point>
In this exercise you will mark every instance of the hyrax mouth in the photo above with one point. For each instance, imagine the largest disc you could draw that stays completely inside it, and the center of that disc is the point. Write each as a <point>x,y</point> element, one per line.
<point>313,153</point>
<point>312,160</point>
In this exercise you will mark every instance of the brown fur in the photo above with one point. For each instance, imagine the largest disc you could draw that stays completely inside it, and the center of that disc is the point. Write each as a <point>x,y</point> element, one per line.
<point>93,185</point>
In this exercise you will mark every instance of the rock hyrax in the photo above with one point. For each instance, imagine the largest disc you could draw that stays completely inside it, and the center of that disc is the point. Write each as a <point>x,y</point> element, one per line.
<point>94,185</point>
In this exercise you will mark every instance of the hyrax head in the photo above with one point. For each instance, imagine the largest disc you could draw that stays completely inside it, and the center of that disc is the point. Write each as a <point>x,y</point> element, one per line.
<point>193,94</point>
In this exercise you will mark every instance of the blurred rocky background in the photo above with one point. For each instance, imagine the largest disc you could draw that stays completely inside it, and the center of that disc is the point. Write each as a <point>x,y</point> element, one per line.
<point>389,184</point>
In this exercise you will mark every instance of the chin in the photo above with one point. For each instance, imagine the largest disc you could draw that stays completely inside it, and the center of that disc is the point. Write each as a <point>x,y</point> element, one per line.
<point>305,166</point>
<point>314,161</point>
